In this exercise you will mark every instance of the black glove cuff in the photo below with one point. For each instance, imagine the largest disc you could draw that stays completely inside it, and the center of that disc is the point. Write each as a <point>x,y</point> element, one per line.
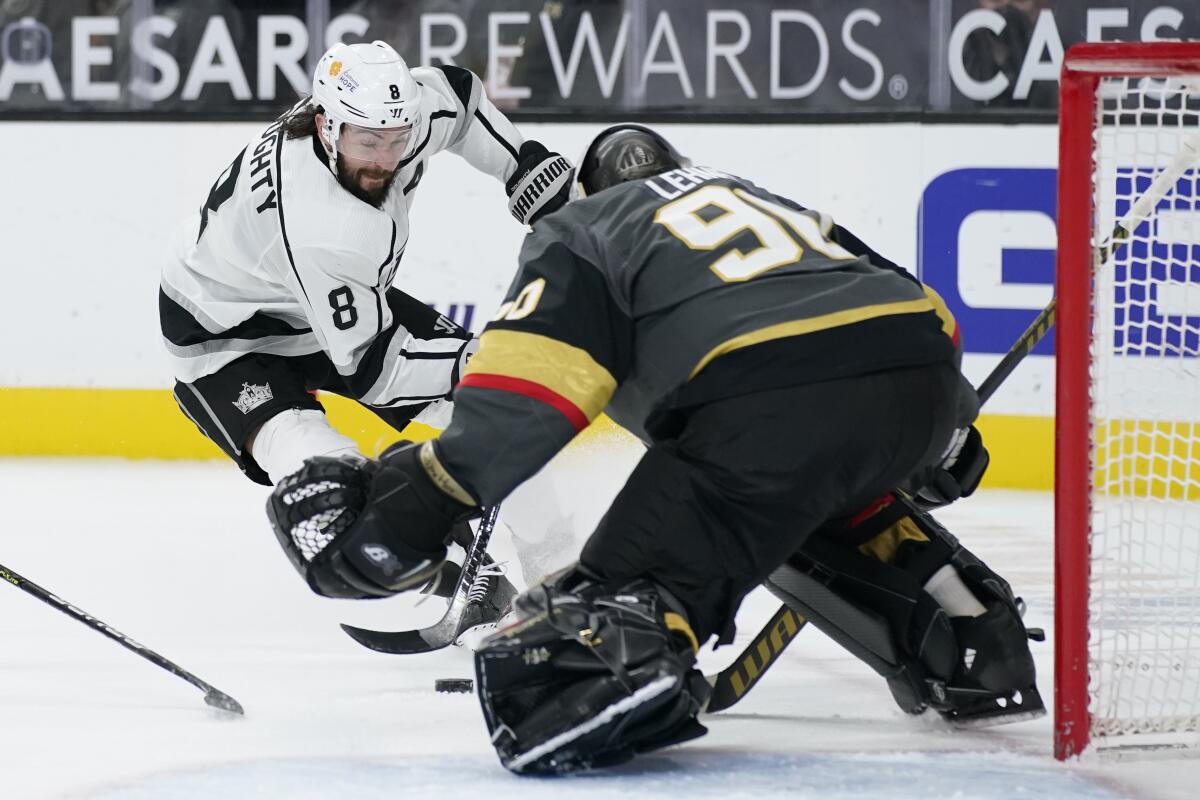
<point>942,485</point>
<point>972,463</point>
<point>531,153</point>
<point>400,465</point>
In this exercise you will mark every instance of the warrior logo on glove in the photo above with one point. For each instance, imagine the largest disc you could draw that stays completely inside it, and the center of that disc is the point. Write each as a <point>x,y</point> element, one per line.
<point>540,184</point>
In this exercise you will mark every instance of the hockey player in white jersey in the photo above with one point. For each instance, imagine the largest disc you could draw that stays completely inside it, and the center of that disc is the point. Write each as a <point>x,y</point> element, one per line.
<point>282,284</point>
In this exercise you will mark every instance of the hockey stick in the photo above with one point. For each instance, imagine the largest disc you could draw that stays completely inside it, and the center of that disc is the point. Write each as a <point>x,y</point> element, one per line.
<point>463,612</point>
<point>733,682</point>
<point>214,697</point>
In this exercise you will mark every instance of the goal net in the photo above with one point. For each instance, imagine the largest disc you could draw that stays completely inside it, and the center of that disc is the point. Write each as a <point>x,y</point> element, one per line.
<point>1128,415</point>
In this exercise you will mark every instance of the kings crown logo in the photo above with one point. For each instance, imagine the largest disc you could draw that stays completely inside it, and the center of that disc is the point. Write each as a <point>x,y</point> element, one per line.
<point>252,397</point>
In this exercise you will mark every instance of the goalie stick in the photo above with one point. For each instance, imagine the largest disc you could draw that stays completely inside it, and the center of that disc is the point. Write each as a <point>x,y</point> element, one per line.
<point>731,684</point>
<point>214,697</point>
<point>464,610</point>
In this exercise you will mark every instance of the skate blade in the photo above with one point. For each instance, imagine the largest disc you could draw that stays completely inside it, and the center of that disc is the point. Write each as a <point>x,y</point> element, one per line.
<point>989,714</point>
<point>994,720</point>
<point>472,638</point>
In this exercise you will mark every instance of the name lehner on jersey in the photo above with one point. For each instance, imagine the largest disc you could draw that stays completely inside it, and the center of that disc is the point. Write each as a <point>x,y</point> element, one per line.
<point>285,261</point>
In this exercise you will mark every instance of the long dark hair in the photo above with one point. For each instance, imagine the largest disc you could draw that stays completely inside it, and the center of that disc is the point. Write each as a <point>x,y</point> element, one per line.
<point>301,122</point>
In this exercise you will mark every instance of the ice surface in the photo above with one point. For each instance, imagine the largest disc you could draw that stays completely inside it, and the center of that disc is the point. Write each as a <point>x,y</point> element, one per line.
<point>179,556</point>
<point>685,773</point>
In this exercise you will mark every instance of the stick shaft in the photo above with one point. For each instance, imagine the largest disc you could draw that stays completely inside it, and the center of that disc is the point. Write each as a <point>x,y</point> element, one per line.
<point>478,549</point>
<point>1189,152</point>
<point>51,599</point>
<point>731,683</point>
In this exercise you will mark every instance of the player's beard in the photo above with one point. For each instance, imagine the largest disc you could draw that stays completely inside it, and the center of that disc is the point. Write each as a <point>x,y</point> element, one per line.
<point>350,182</point>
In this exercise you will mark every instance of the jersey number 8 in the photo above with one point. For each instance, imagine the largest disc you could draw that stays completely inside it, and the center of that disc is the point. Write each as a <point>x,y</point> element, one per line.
<point>740,211</point>
<point>341,300</point>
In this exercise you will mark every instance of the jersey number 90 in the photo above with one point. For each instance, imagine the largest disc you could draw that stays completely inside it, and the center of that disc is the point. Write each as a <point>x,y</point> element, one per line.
<point>780,244</point>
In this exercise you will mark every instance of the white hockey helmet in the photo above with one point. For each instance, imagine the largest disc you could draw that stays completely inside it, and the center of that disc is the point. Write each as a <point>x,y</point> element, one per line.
<point>372,104</point>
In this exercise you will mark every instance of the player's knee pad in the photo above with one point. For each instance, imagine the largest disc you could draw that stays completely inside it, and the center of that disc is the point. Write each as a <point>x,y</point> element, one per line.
<point>588,675</point>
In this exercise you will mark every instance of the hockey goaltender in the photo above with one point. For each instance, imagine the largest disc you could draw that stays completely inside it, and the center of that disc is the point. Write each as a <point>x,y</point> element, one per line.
<point>803,407</point>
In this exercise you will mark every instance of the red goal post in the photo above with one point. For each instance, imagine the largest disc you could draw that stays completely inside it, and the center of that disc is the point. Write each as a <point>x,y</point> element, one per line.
<point>1127,441</point>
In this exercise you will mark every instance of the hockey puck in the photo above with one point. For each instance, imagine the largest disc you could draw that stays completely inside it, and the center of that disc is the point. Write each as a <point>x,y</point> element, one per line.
<point>454,685</point>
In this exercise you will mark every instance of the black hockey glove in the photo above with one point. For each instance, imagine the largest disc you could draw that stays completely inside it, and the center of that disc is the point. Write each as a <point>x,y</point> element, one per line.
<point>540,184</point>
<point>360,530</point>
<point>959,472</point>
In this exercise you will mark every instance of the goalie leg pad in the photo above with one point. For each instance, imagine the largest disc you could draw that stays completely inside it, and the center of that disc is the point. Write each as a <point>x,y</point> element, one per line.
<point>588,675</point>
<point>970,668</point>
<point>880,617</point>
<point>996,680</point>
<point>995,645</point>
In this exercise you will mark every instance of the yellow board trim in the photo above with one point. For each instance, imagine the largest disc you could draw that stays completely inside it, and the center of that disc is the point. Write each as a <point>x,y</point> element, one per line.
<point>800,327</point>
<point>1148,458</point>
<point>1021,449</point>
<point>146,423</point>
<point>562,368</point>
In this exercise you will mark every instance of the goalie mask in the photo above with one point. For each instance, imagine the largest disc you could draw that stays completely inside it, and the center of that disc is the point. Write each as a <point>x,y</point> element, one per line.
<point>624,153</point>
<point>371,103</point>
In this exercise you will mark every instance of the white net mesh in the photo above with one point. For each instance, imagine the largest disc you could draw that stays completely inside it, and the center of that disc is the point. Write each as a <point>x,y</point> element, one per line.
<point>1144,606</point>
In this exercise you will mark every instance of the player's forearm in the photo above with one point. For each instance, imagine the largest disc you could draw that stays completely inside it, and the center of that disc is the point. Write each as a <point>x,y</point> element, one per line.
<point>499,439</point>
<point>398,368</point>
<point>490,142</point>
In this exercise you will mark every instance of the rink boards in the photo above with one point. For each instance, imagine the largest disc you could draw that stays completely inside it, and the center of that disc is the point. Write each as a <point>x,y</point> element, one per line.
<point>970,208</point>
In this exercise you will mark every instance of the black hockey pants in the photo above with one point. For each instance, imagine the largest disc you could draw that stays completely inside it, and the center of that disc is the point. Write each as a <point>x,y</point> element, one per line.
<point>709,513</point>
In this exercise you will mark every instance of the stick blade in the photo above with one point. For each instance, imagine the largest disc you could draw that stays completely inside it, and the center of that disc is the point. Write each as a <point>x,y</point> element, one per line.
<point>398,642</point>
<point>218,699</point>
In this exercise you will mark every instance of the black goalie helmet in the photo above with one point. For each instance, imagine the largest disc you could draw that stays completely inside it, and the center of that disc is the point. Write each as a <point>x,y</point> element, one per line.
<point>624,153</point>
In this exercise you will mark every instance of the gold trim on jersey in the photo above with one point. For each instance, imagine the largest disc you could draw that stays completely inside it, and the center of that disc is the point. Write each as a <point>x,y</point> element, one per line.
<point>441,477</point>
<point>562,368</point>
<point>949,325</point>
<point>800,327</point>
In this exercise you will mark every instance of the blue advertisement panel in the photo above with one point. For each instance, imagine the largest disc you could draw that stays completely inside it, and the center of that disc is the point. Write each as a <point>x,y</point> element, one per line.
<point>981,244</point>
<point>985,239</point>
